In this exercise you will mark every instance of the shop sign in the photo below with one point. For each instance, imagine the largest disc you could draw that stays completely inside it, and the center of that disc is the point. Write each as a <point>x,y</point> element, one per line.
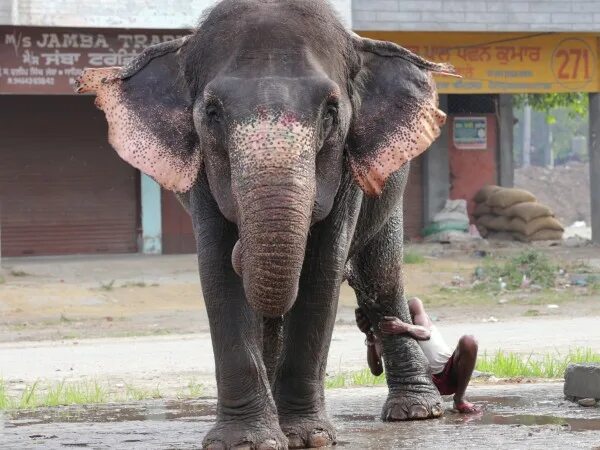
<point>508,62</point>
<point>47,60</point>
<point>470,133</point>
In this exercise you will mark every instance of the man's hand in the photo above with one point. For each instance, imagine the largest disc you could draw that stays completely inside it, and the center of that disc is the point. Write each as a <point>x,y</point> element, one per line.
<point>393,325</point>
<point>363,322</point>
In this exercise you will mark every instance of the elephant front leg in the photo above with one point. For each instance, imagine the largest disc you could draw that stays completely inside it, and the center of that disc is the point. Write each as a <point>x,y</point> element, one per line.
<point>246,412</point>
<point>376,276</point>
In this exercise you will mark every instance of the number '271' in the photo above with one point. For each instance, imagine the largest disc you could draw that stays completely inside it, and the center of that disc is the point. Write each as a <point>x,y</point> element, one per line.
<point>570,63</point>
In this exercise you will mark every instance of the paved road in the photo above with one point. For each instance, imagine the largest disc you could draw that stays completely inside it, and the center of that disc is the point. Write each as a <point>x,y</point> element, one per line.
<point>155,357</point>
<point>516,416</point>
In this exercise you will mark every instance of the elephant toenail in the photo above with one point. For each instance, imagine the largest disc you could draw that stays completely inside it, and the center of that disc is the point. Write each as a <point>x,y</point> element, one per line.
<point>295,441</point>
<point>319,438</point>
<point>418,412</point>
<point>398,413</point>
<point>269,444</point>
<point>216,446</point>
<point>437,411</point>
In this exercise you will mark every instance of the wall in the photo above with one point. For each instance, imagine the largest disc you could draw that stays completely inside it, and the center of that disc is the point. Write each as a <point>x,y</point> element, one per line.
<point>476,15</point>
<point>117,13</point>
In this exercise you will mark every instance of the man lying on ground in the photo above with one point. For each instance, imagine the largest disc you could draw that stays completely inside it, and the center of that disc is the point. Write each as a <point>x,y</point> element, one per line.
<point>451,370</point>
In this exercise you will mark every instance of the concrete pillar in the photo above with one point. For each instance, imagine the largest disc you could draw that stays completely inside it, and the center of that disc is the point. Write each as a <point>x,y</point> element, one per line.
<point>526,136</point>
<point>506,165</point>
<point>151,217</point>
<point>594,149</point>
<point>436,171</point>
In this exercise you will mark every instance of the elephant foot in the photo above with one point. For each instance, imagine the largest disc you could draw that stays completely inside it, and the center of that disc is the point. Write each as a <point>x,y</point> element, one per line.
<point>308,432</point>
<point>408,405</point>
<point>240,435</point>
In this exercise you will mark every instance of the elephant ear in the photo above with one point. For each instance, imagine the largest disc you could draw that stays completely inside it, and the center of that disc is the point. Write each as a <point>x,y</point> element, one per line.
<point>149,114</point>
<point>398,116</point>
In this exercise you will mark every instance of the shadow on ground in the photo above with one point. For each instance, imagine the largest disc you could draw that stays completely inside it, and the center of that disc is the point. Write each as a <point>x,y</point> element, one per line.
<point>516,416</point>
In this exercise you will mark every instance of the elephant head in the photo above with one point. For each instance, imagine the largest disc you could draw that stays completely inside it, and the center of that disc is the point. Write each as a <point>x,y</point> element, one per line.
<point>273,100</point>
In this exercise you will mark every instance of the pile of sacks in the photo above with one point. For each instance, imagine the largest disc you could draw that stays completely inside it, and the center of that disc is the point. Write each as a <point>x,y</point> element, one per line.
<point>506,213</point>
<point>451,224</point>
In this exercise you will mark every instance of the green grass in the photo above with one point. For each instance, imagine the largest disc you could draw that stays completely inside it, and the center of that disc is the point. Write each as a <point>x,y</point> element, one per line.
<point>533,265</point>
<point>18,273</point>
<point>2,280</point>
<point>413,258</point>
<point>139,284</point>
<point>109,286</point>
<point>63,393</point>
<point>551,365</point>
<point>349,379</point>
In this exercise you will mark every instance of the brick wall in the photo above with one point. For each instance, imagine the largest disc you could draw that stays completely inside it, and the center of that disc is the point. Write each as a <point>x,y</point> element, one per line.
<point>476,15</point>
<point>117,13</point>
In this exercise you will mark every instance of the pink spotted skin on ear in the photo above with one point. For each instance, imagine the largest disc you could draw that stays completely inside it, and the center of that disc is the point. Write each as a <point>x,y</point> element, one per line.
<point>406,141</point>
<point>132,137</point>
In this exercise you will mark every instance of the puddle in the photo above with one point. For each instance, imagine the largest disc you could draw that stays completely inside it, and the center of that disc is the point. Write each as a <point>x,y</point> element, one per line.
<point>514,417</point>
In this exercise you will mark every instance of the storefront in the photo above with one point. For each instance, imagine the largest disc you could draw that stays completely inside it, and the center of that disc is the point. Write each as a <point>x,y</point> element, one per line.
<point>63,190</point>
<point>477,139</point>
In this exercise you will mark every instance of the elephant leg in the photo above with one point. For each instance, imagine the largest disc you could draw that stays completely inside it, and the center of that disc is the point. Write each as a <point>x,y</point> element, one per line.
<point>246,411</point>
<point>299,383</point>
<point>376,276</point>
<point>272,344</point>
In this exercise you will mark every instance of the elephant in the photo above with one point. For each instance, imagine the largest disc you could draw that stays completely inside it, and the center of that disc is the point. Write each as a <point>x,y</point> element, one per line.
<point>288,139</point>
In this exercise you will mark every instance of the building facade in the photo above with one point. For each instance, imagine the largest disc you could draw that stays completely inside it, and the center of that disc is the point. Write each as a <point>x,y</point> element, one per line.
<point>63,190</point>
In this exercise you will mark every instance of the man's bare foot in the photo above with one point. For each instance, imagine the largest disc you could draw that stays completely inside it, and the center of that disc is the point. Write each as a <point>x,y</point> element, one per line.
<point>465,407</point>
<point>393,325</point>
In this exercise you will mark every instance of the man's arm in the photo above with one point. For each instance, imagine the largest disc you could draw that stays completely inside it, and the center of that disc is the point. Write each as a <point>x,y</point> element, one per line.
<point>393,325</point>
<point>418,313</point>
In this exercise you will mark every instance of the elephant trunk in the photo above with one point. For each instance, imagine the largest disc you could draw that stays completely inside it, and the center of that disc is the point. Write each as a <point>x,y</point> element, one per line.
<point>273,180</point>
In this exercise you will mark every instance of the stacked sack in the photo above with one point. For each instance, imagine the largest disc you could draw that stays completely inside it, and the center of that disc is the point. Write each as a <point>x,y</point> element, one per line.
<point>451,224</point>
<point>506,213</point>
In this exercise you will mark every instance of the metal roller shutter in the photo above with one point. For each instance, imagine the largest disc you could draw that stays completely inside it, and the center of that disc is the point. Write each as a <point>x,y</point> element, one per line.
<point>63,189</point>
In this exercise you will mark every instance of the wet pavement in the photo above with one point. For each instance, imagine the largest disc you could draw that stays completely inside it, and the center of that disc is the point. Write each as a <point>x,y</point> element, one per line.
<point>516,416</point>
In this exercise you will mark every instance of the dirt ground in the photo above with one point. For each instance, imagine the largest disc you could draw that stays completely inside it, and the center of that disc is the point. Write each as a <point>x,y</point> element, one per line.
<point>49,298</point>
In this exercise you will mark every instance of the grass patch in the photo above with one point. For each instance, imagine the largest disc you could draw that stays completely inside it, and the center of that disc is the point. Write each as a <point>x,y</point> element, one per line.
<point>35,395</point>
<point>413,258</point>
<point>64,393</point>
<point>18,273</point>
<point>534,266</point>
<point>193,390</point>
<point>2,280</point>
<point>107,286</point>
<point>509,365</point>
<point>349,379</point>
<point>140,284</point>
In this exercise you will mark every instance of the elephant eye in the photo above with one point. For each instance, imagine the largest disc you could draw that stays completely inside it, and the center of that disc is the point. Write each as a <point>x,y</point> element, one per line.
<point>212,113</point>
<point>331,112</point>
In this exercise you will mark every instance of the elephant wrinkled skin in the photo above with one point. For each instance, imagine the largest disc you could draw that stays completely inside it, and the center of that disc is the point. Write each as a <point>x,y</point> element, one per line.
<point>288,140</point>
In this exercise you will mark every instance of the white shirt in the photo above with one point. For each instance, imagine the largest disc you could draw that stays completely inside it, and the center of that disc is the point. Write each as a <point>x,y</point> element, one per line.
<point>436,351</point>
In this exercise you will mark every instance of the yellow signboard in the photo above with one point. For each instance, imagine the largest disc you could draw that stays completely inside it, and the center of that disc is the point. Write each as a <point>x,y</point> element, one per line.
<point>507,62</point>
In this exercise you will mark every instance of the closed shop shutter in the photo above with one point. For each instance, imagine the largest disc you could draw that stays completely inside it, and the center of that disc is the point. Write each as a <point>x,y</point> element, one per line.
<point>63,189</point>
<point>413,200</point>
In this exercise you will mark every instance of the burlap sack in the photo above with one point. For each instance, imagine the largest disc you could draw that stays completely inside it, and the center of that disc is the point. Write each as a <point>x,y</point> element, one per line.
<point>482,209</point>
<point>505,197</point>
<point>485,192</point>
<point>528,211</point>
<point>542,235</point>
<point>500,223</point>
<point>518,225</point>
<point>485,220</point>
<point>500,236</point>
<point>483,231</point>
<point>497,211</point>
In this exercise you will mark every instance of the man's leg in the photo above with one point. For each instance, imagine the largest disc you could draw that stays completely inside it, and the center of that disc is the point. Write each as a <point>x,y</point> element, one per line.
<point>465,358</point>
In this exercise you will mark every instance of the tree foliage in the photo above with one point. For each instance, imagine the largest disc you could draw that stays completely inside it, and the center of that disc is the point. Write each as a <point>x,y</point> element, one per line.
<point>575,102</point>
